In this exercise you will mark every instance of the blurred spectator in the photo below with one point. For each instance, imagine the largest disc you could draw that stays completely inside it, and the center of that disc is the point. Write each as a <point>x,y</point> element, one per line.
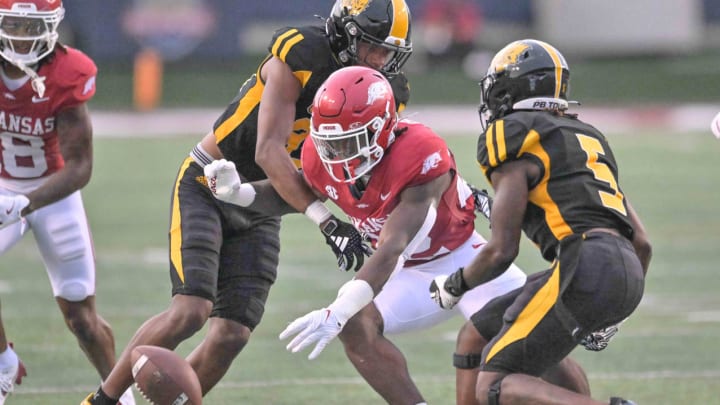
<point>450,28</point>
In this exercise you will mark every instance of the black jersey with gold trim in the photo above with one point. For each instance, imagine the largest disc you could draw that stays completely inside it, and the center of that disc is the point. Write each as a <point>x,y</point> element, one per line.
<point>307,51</point>
<point>578,188</point>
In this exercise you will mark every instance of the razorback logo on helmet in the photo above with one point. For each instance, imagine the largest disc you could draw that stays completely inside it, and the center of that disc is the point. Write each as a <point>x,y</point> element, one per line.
<point>508,56</point>
<point>355,7</point>
<point>377,91</point>
<point>89,84</point>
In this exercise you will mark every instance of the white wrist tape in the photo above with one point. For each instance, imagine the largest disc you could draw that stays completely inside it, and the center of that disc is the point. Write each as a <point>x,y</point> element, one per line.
<point>318,212</point>
<point>352,297</point>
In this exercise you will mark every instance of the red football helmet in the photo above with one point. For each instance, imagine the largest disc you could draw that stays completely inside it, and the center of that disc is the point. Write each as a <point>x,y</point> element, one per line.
<point>28,29</point>
<point>353,121</point>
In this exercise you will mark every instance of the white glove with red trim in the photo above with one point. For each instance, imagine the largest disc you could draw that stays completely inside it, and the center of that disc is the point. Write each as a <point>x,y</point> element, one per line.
<point>11,209</point>
<point>319,326</point>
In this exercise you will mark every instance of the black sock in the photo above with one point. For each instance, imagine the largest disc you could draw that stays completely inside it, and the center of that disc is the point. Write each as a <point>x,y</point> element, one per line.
<point>101,398</point>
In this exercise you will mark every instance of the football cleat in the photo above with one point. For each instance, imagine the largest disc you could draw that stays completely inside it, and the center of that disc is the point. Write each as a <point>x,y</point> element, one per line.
<point>10,376</point>
<point>620,401</point>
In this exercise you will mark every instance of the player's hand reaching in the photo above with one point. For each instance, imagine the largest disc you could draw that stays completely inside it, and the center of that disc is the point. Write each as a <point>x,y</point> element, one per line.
<point>319,326</point>
<point>224,182</point>
<point>11,209</point>
<point>346,243</point>
<point>483,201</point>
<point>447,291</point>
<point>599,340</point>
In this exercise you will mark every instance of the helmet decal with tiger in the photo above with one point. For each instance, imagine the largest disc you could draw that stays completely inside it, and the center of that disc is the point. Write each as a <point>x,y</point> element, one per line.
<point>355,7</point>
<point>524,75</point>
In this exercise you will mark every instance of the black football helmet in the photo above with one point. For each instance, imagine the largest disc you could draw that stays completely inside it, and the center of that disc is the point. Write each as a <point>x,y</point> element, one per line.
<point>384,23</point>
<point>525,75</point>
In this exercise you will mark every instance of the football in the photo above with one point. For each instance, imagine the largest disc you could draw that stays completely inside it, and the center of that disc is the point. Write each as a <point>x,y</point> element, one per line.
<point>163,377</point>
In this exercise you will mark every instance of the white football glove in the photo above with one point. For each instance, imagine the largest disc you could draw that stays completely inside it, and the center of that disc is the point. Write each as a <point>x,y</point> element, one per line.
<point>225,184</point>
<point>11,208</point>
<point>441,295</point>
<point>319,326</point>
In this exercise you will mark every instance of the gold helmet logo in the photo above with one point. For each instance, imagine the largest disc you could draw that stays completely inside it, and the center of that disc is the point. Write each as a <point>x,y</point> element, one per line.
<point>355,7</point>
<point>508,56</point>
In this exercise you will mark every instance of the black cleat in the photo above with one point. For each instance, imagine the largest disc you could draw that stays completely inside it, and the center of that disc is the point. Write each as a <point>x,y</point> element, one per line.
<point>620,401</point>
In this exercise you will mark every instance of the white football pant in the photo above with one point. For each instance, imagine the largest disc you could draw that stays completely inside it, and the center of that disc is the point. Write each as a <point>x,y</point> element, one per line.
<point>63,238</point>
<point>405,303</point>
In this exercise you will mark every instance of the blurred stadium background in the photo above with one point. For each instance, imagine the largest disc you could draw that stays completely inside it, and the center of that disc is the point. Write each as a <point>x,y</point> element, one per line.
<point>646,71</point>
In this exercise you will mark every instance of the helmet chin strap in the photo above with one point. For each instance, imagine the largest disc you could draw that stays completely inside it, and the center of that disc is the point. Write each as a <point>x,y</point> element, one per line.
<point>37,82</point>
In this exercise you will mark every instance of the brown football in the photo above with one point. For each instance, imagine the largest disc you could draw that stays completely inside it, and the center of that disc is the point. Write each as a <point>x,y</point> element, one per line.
<point>163,377</point>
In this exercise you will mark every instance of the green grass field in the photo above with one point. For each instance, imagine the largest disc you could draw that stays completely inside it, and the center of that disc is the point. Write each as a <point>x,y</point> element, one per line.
<point>665,354</point>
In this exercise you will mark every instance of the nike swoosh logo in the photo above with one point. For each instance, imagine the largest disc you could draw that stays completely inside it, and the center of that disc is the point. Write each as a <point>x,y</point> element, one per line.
<point>39,100</point>
<point>384,196</point>
<point>477,245</point>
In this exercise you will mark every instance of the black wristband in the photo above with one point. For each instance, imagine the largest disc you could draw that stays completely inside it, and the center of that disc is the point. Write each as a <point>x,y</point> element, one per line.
<point>455,284</point>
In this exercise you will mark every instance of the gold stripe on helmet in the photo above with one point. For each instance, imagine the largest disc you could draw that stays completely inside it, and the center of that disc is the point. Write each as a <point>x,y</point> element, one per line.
<point>401,22</point>
<point>558,61</point>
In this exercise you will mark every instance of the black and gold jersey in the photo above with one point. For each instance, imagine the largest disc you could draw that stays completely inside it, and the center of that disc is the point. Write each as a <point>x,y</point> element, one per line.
<point>578,188</point>
<point>307,51</point>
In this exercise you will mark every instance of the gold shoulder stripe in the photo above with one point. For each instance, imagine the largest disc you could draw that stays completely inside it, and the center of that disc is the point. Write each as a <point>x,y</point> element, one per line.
<point>285,42</point>
<point>495,143</point>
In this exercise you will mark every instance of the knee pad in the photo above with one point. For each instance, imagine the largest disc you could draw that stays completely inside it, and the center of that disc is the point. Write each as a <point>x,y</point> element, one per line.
<point>73,291</point>
<point>467,361</point>
<point>494,392</point>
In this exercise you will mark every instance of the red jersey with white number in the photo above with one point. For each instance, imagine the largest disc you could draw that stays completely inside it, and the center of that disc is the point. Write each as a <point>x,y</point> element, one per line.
<point>28,133</point>
<point>417,156</point>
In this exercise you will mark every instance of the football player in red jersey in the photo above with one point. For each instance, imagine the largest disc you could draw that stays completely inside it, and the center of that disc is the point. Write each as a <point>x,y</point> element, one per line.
<point>556,179</point>
<point>398,182</point>
<point>45,159</point>
<point>224,258</point>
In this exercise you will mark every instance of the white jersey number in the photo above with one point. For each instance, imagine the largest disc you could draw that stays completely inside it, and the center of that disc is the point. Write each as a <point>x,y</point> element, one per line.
<point>18,147</point>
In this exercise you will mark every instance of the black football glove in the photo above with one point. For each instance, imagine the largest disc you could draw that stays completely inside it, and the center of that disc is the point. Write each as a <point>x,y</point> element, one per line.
<point>447,291</point>
<point>346,242</point>
<point>483,201</point>
<point>401,90</point>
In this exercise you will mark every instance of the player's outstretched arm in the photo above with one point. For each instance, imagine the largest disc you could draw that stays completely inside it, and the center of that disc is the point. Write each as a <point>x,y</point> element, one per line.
<point>75,136</point>
<point>407,226</point>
